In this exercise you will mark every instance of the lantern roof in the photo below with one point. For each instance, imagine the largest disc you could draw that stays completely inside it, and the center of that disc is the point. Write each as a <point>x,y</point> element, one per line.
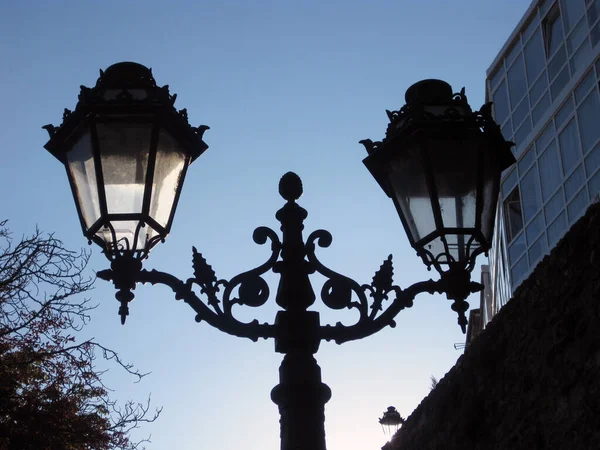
<point>126,89</point>
<point>431,104</point>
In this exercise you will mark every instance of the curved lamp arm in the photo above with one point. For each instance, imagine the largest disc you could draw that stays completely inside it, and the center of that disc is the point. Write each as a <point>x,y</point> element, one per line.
<point>338,290</point>
<point>252,290</point>
<point>224,322</point>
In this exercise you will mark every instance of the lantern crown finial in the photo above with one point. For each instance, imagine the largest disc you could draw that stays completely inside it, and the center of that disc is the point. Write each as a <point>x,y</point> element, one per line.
<point>429,91</point>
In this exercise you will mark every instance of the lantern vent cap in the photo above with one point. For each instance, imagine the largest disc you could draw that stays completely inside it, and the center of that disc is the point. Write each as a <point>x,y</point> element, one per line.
<point>429,92</point>
<point>125,74</point>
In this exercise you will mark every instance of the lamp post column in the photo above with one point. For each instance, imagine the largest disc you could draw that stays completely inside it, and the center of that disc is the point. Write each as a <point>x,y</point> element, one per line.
<point>300,394</point>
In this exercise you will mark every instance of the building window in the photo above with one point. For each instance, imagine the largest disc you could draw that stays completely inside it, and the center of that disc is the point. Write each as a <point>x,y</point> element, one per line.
<point>540,108</point>
<point>538,89</point>
<point>577,36</point>
<point>513,214</point>
<point>519,270</point>
<point>537,249</point>
<point>553,30</point>
<point>556,229</point>
<point>559,83</point>
<point>592,161</point>
<point>569,147</point>
<point>501,109</point>
<point>588,113</point>
<point>531,198</point>
<point>535,60</point>
<point>573,10</point>
<point>564,113</point>
<point>574,182</point>
<point>557,62</point>
<point>593,11</point>
<point>554,206</point>
<point>577,206</point>
<point>545,138</point>
<point>549,171</point>
<point>517,83</point>
<point>585,86</point>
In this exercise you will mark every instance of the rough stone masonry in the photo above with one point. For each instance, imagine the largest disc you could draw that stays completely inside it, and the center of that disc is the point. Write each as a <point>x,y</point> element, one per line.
<point>531,379</point>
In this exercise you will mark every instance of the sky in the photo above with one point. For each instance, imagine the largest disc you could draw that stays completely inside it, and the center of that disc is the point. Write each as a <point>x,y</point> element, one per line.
<point>284,85</point>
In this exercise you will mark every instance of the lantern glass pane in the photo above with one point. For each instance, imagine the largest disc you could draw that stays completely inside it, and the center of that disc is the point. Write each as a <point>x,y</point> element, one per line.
<point>80,163</point>
<point>454,165</point>
<point>455,180</point>
<point>409,188</point>
<point>449,248</point>
<point>124,149</point>
<point>170,163</point>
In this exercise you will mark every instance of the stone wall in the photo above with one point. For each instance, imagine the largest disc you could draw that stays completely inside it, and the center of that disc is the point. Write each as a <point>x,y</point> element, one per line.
<point>531,379</point>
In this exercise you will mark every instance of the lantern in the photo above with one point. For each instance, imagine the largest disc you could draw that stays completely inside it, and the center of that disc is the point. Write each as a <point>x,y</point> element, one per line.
<point>126,150</point>
<point>440,162</point>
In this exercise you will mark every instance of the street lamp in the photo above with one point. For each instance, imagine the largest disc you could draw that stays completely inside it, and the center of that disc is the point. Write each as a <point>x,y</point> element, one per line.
<point>126,150</point>
<point>440,163</point>
<point>390,422</point>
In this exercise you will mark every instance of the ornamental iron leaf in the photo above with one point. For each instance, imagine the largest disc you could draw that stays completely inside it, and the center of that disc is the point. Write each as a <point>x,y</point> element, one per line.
<point>383,279</point>
<point>203,273</point>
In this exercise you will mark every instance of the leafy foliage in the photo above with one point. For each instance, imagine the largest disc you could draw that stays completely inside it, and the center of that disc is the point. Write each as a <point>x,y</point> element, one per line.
<point>51,393</point>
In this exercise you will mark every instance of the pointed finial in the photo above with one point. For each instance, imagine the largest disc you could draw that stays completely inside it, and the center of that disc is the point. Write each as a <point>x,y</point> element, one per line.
<point>123,311</point>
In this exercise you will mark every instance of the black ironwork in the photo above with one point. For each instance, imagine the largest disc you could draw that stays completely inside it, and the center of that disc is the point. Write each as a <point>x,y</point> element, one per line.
<point>127,94</point>
<point>301,395</point>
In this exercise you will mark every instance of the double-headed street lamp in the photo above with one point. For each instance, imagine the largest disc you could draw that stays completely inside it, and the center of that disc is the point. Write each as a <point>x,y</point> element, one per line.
<point>126,150</point>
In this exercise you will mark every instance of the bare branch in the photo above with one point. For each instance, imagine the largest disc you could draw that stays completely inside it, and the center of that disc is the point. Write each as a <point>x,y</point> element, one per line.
<point>48,380</point>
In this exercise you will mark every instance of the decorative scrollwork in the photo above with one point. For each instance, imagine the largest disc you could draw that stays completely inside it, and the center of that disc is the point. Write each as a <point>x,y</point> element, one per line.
<point>295,327</point>
<point>252,289</point>
<point>337,290</point>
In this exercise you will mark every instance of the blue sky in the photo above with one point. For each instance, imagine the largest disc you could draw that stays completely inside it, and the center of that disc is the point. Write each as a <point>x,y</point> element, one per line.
<point>284,85</point>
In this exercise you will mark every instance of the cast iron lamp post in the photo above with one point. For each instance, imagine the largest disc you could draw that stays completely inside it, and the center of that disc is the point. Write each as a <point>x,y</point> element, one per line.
<point>126,150</point>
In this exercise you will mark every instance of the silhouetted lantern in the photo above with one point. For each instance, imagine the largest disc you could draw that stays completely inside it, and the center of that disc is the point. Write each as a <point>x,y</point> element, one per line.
<point>390,422</point>
<point>440,162</point>
<point>126,150</point>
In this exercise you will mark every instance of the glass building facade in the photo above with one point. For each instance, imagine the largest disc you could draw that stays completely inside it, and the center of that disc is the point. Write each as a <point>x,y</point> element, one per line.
<point>544,85</point>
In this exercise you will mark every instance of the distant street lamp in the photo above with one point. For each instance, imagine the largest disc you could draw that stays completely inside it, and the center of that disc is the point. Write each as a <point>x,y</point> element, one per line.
<point>126,150</point>
<point>390,422</point>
